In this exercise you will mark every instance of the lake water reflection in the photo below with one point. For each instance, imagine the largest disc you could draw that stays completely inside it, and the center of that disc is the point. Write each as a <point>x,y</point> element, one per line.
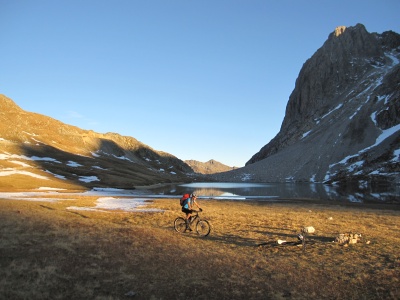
<point>269,191</point>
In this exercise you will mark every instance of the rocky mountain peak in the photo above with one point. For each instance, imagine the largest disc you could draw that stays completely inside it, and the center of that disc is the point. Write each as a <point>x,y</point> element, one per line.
<point>210,167</point>
<point>339,30</point>
<point>348,55</point>
<point>346,96</point>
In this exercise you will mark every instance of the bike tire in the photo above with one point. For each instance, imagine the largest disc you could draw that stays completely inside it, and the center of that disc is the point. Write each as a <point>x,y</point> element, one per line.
<point>203,228</point>
<point>180,225</point>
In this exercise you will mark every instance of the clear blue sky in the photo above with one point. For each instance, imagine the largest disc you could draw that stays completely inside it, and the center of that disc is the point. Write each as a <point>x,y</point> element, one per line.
<point>201,80</point>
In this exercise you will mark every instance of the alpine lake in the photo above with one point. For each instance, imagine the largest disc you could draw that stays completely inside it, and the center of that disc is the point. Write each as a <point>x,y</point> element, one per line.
<point>360,193</point>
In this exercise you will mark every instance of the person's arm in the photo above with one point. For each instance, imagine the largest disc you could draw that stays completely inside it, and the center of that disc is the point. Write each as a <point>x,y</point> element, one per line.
<point>195,202</point>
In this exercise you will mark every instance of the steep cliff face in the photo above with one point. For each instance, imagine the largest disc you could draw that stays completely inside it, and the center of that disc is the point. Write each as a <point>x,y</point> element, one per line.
<point>342,118</point>
<point>74,155</point>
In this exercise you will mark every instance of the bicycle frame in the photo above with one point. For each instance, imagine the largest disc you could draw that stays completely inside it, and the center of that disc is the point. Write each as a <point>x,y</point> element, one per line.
<point>194,217</point>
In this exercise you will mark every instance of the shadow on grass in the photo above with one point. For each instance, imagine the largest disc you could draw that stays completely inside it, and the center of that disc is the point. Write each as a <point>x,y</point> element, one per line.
<point>227,239</point>
<point>251,238</point>
<point>232,239</point>
<point>238,240</point>
<point>47,207</point>
<point>79,214</point>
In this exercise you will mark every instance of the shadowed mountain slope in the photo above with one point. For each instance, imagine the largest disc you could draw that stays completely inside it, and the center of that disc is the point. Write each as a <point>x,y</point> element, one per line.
<point>36,150</point>
<point>342,119</point>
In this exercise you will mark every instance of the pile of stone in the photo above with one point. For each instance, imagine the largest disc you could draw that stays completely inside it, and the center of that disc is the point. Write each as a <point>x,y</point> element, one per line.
<point>348,238</point>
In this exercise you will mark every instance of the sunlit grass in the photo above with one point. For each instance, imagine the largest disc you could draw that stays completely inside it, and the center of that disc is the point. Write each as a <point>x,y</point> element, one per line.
<point>49,251</point>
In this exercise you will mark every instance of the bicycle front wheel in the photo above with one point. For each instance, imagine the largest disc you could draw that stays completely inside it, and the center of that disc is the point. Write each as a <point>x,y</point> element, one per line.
<point>203,228</point>
<point>180,224</point>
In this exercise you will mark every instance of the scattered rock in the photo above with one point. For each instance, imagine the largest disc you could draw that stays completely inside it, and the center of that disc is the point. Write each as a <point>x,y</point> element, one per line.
<point>308,229</point>
<point>130,294</point>
<point>348,238</point>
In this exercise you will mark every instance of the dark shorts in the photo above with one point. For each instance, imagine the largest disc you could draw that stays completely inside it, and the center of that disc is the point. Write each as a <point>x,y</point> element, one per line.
<point>187,211</point>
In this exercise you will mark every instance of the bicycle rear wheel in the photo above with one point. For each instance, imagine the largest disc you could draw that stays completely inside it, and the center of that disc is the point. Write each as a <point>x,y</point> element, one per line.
<point>203,228</point>
<point>180,224</point>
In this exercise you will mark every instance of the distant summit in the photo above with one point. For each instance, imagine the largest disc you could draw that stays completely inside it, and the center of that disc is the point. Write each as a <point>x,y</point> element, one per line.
<point>209,167</point>
<point>36,150</point>
<point>342,120</point>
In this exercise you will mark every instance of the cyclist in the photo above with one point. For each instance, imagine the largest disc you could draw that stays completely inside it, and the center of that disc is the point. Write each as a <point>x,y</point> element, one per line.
<point>187,208</point>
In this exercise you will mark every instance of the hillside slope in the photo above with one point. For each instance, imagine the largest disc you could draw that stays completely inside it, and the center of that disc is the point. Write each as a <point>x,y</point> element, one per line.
<point>36,150</point>
<point>342,120</point>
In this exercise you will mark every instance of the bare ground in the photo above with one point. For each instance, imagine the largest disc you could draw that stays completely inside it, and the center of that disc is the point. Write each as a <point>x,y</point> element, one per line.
<point>50,252</point>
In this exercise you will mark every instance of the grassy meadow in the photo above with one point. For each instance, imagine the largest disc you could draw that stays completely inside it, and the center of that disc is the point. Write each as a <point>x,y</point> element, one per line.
<point>50,252</point>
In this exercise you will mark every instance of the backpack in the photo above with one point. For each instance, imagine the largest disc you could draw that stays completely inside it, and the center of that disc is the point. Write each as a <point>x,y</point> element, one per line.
<point>183,199</point>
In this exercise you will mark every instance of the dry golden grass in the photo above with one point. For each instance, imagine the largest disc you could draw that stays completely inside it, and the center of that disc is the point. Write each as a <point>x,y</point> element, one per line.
<point>49,252</point>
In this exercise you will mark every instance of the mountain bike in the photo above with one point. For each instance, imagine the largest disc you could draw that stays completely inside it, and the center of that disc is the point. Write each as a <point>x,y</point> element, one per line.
<point>202,226</point>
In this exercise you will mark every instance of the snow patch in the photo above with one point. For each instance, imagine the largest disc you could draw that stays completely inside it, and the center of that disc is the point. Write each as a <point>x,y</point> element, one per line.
<point>45,188</point>
<point>49,159</point>
<point>373,118</point>
<point>312,179</point>
<point>73,164</point>
<point>111,203</point>
<point>354,166</point>
<point>384,135</point>
<point>336,108</point>
<point>95,154</point>
<point>386,98</point>
<point>246,177</point>
<point>357,110</point>
<point>305,134</point>
<point>122,158</point>
<point>31,134</point>
<point>97,167</point>
<point>289,179</point>
<point>88,178</point>
<point>396,157</point>
<point>395,60</point>
<point>103,204</point>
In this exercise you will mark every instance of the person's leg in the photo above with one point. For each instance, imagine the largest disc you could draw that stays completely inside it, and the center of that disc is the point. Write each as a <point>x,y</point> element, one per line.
<point>188,215</point>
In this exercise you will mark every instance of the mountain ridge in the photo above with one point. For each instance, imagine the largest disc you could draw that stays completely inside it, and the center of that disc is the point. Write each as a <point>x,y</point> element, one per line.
<point>111,159</point>
<point>209,167</point>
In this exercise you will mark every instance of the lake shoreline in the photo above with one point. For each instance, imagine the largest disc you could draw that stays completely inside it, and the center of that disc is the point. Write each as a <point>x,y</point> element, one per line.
<point>56,195</point>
